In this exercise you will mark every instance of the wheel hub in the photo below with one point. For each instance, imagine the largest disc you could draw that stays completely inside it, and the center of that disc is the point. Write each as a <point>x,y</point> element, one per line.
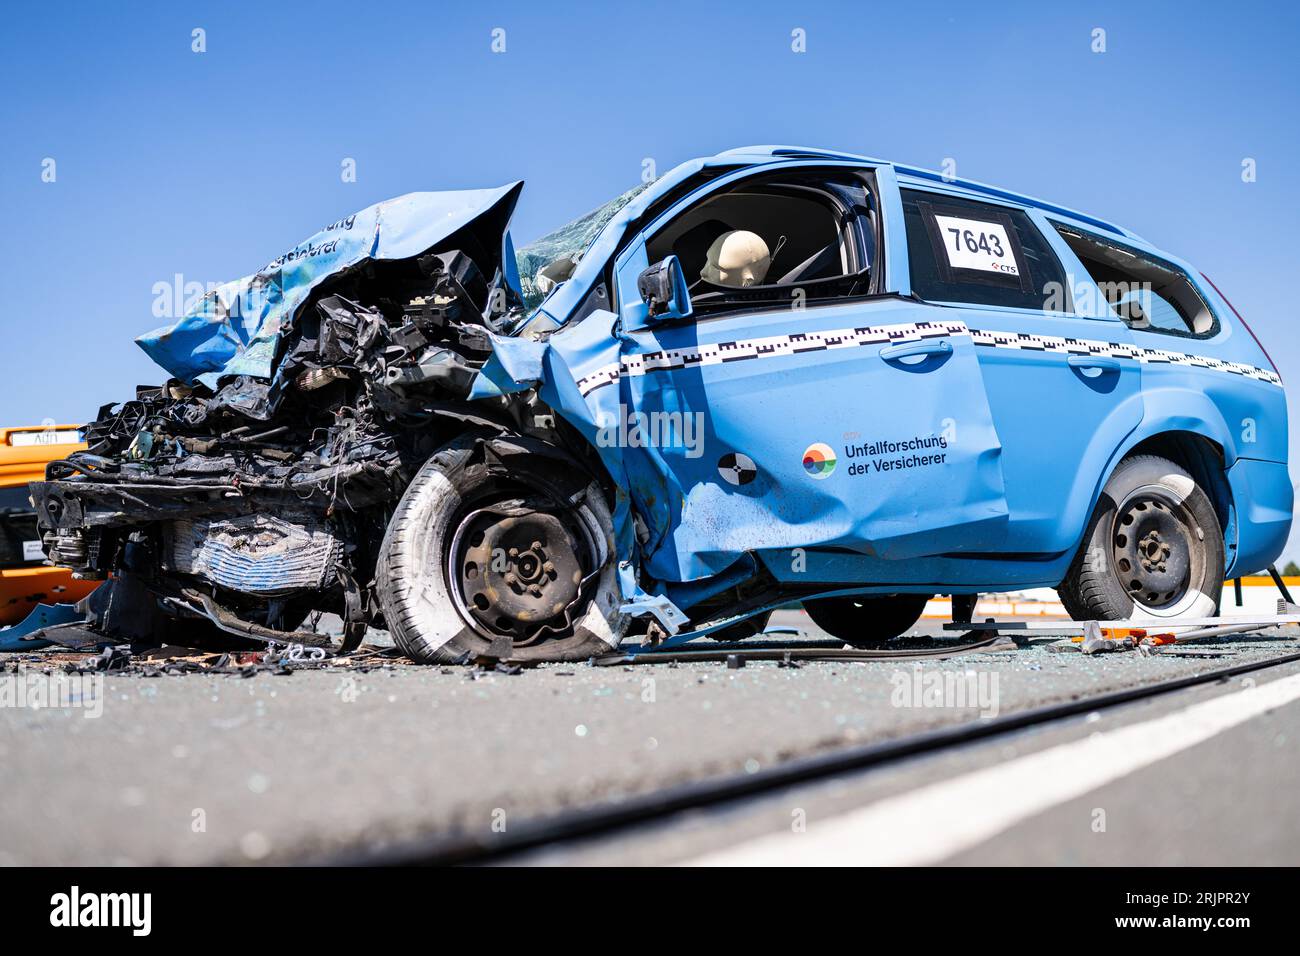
<point>519,572</point>
<point>1155,552</point>
<point>529,570</point>
<point>1152,550</point>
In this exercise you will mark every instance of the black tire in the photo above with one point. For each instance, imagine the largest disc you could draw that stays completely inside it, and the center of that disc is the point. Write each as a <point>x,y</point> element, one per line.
<point>1153,548</point>
<point>867,621</point>
<point>427,611</point>
<point>741,630</point>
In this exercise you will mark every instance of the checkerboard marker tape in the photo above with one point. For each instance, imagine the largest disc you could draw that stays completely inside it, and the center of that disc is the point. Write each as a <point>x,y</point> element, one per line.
<point>800,343</point>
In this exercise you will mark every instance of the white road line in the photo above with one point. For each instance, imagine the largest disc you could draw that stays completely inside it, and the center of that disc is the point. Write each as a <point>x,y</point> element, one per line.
<point>935,822</point>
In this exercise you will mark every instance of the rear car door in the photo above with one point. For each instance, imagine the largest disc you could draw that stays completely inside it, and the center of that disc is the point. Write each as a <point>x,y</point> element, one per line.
<point>831,414</point>
<point>1062,392</point>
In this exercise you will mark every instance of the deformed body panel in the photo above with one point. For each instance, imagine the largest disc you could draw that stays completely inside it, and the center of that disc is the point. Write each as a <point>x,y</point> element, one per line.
<point>846,446</point>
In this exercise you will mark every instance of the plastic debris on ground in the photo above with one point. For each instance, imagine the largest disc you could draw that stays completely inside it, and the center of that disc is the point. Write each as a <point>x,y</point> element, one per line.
<point>18,637</point>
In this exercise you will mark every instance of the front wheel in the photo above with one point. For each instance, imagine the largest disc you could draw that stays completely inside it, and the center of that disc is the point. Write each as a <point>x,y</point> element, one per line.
<point>867,621</point>
<point>1153,549</point>
<point>741,630</point>
<point>473,558</point>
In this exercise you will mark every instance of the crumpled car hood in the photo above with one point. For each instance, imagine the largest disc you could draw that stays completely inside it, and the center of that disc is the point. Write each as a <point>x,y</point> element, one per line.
<point>235,330</point>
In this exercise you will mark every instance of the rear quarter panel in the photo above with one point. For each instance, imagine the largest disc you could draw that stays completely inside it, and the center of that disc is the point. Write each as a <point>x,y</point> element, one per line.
<point>1245,416</point>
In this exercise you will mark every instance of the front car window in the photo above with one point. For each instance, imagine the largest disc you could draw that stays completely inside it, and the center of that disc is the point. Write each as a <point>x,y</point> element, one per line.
<point>756,243</point>
<point>1148,294</point>
<point>548,261</point>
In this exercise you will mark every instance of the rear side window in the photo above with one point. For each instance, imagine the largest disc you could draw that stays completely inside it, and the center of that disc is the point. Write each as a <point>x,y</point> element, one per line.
<point>1149,294</point>
<point>961,250</point>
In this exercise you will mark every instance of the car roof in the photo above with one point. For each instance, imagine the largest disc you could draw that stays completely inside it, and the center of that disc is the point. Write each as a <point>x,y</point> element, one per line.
<point>915,176</point>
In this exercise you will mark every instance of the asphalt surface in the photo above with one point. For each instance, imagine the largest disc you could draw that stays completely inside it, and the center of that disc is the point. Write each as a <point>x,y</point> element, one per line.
<point>339,763</point>
<point>1231,801</point>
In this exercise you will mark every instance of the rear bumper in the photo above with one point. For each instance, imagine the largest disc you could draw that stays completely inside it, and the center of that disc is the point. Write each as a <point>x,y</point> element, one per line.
<point>1262,493</point>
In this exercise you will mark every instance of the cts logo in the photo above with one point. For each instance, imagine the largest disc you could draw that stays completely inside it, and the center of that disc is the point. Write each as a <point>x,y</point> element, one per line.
<point>819,460</point>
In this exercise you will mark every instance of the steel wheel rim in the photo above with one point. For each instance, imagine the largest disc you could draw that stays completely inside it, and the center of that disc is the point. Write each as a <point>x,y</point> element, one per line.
<point>518,568</point>
<point>1156,548</point>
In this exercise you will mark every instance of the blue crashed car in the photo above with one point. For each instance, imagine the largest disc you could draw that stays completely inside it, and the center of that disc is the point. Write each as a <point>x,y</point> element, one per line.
<point>775,374</point>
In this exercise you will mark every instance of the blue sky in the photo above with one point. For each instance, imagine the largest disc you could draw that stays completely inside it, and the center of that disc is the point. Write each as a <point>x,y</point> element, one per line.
<point>207,164</point>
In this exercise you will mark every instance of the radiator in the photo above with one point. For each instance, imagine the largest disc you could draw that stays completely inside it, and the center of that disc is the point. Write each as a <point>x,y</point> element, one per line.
<point>256,554</point>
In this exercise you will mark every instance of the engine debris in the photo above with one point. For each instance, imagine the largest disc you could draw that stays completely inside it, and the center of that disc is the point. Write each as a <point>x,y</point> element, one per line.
<point>241,504</point>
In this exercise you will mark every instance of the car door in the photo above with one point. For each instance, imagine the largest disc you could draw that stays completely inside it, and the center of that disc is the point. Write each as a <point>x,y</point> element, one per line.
<point>1061,387</point>
<point>855,422</point>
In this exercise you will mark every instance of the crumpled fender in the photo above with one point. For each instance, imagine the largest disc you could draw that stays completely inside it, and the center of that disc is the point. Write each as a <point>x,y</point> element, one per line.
<point>555,366</point>
<point>235,329</point>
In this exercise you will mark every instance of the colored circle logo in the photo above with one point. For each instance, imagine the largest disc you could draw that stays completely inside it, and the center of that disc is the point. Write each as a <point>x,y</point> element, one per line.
<point>819,460</point>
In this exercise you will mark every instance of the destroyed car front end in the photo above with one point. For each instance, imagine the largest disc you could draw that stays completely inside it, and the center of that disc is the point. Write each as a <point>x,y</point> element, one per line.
<point>255,489</point>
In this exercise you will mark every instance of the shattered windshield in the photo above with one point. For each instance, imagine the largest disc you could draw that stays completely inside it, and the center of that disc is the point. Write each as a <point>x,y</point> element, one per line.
<point>548,261</point>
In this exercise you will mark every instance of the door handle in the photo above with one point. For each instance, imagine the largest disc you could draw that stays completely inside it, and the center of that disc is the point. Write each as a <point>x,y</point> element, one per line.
<point>1098,363</point>
<point>916,349</point>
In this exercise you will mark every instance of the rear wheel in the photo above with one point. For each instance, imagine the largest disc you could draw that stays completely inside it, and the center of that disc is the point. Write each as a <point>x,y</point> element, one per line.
<point>474,561</point>
<point>1153,548</point>
<point>867,621</point>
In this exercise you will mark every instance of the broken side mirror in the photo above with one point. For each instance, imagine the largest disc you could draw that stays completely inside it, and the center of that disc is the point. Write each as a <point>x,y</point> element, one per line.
<point>663,289</point>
